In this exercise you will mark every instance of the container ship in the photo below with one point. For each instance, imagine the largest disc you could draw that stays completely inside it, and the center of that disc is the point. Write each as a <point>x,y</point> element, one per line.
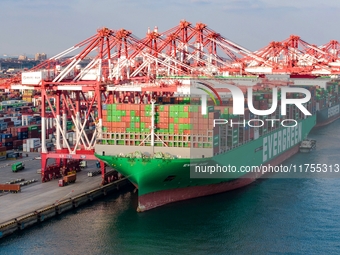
<point>328,105</point>
<point>326,95</point>
<point>164,144</point>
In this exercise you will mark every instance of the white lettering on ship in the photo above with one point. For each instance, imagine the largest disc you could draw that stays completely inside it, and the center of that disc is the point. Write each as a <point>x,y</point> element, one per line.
<point>281,140</point>
<point>334,110</point>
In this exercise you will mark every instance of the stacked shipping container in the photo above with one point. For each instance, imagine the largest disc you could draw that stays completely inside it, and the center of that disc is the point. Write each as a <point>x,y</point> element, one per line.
<point>184,125</point>
<point>28,95</point>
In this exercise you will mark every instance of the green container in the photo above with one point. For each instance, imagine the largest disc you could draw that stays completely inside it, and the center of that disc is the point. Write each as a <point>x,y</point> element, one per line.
<point>186,100</point>
<point>30,128</point>
<point>109,118</point>
<point>132,113</point>
<point>183,114</point>
<point>181,108</point>
<point>109,107</point>
<point>114,106</point>
<point>174,108</point>
<point>193,108</point>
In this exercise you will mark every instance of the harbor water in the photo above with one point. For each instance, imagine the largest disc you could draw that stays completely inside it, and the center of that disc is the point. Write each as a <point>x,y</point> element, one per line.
<point>270,216</point>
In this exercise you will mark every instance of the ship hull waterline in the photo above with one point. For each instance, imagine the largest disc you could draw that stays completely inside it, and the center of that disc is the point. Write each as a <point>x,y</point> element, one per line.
<point>156,199</point>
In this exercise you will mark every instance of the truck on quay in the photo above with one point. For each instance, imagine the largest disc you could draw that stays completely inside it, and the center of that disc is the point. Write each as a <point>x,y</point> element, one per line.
<point>10,188</point>
<point>18,166</point>
<point>67,179</point>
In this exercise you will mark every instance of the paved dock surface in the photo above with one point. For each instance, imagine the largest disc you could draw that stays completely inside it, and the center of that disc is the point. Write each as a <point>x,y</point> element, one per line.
<point>38,195</point>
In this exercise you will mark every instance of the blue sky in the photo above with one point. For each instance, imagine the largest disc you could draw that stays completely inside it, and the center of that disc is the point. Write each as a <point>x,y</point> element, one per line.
<point>31,26</point>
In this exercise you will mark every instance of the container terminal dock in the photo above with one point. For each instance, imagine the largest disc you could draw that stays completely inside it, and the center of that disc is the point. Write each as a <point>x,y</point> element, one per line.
<point>113,94</point>
<point>39,201</point>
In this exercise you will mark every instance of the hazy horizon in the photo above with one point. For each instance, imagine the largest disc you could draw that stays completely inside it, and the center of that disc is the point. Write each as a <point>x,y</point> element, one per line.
<point>37,26</point>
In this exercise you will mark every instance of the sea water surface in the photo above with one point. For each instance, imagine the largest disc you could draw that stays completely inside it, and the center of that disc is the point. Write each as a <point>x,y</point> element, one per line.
<point>270,216</point>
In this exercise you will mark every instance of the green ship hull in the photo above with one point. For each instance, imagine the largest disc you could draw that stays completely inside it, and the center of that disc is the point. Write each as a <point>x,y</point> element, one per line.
<point>164,180</point>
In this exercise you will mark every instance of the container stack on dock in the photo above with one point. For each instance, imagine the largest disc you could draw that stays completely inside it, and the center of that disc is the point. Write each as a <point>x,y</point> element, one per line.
<point>3,153</point>
<point>28,95</point>
<point>31,145</point>
<point>7,141</point>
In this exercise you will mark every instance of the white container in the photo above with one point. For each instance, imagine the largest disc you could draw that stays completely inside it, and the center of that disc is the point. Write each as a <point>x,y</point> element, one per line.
<point>17,123</point>
<point>34,78</point>
<point>35,143</point>
<point>90,75</point>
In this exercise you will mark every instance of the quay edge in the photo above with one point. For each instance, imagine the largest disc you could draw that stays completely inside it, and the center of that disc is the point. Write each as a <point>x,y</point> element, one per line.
<point>42,214</point>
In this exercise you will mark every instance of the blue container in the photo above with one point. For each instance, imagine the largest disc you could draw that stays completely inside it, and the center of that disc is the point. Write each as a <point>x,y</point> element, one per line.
<point>5,136</point>
<point>20,136</point>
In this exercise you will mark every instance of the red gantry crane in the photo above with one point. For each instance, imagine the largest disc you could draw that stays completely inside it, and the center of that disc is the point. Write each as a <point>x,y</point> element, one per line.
<point>291,56</point>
